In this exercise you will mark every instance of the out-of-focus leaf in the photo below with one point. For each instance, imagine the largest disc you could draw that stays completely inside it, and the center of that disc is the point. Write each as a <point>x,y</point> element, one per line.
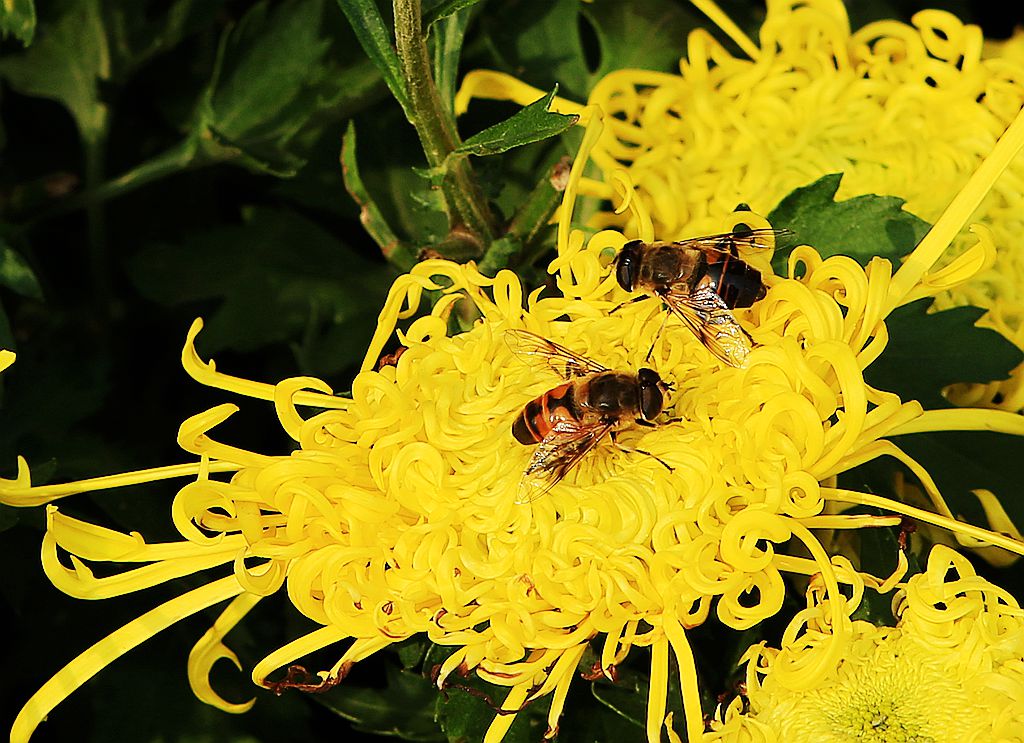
<point>136,33</point>
<point>18,19</point>
<point>930,350</point>
<point>531,124</point>
<point>16,274</point>
<point>862,227</point>
<point>542,43</point>
<point>447,43</point>
<point>389,168</point>
<point>43,399</point>
<point>539,42</point>
<point>8,517</point>
<point>270,276</point>
<point>432,13</point>
<point>405,709</point>
<point>370,215</point>
<point>962,461</point>
<point>644,34</point>
<point>66,64</point>
<point>266,85</point>
<point>411,651</point>
<point>375,38</point>
<point>6,336</point>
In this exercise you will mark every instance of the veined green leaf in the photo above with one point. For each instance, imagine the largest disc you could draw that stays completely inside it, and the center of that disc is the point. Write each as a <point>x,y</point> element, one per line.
<point>375,38</point>
<point>862,227</point>
<point>18,19</point>
<point>405,709</point>
<point>531,124</point>
<point>929,350</point>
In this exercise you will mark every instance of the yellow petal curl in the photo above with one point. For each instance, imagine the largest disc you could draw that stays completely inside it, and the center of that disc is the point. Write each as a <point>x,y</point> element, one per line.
<point>905,109</point>
<point>949,671</point>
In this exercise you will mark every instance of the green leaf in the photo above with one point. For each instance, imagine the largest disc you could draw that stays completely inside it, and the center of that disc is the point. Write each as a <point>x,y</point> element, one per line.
<point>444,9</point>
<point>391,171</point>
<point>405,709</point>
<point>531,124</point>
<point>465,716</point>
<point>411,651</point>
<point>6,334</point>
<point>16,274</point>
<point>628,700</point>
<point>18,19</point>
<point>66,65</point>
<point>269,277</point>
<point>266,85</point>
<point>539,42</point>
<point>962,461</point>
<point>370,215</point>
<point>878,548</point>
<point>645,34</point>
<point>927,351</point>
<point>862,227</point>
<point>447,42</point>
<point>585,720</point>
<point>375,38</point>
<point>137,34</point>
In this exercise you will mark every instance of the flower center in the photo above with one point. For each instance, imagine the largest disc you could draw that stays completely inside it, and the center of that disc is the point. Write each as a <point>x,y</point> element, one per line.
<point>893,695</point>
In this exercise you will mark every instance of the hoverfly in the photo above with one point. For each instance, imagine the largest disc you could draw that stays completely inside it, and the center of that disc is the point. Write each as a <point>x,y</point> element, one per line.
<point>569,420</point>
<point>701,280</point>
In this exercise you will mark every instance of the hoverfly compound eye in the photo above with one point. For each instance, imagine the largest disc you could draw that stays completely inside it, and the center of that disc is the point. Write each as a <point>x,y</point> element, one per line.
<point>626,264</point>
<point>652,400</point>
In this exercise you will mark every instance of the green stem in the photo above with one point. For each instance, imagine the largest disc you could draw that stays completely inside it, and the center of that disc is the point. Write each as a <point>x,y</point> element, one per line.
<point>536,212</point>
<point>436,127</point>
<point>169,162</point>
<point>94,150</point>
<point>528,223</point>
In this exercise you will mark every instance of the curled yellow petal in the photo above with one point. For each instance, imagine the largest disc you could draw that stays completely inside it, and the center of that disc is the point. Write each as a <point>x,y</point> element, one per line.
<point>112,647</point>
<point>211,648</point>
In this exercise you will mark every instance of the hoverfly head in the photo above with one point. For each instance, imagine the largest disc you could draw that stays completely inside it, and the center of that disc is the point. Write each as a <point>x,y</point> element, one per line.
<point>652,396</point>
<point>627,264</point>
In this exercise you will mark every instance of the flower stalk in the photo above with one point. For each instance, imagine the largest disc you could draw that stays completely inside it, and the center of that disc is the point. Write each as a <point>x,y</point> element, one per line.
<point>436,127</point>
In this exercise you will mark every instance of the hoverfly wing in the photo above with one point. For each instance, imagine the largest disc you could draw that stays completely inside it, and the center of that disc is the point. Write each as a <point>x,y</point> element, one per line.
<point>730,243</point>
<point>566,444</point>
<point>531,347</point>
<point>710,319</point>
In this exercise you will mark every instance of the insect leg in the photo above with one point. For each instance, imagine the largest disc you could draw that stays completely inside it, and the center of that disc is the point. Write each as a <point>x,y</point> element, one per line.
<point>628,450</point>
<point>656,336</point>
<point>641,298</point>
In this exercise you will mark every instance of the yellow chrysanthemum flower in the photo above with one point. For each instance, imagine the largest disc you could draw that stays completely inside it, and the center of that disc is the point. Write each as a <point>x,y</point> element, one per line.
<point>396,514</point>
<point>902,109</point>
<point>950,671</point>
